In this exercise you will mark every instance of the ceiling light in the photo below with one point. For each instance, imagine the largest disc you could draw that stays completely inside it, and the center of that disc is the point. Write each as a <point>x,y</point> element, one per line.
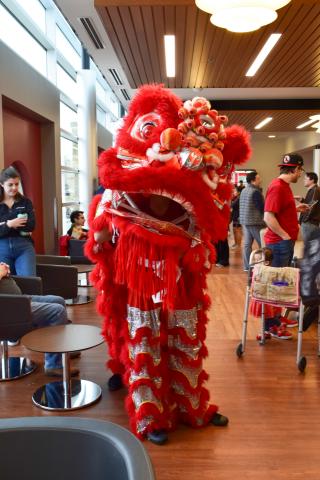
<point>271,136</point>
<point>305,124</point>
<point>262,55</point>
<point>241,15</point>
<point>317,125</point>
<point>263,123</point>
<point>170,53</point>
<point>315,119</point>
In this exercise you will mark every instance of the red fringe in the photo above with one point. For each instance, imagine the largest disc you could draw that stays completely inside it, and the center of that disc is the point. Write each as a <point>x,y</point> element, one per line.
<point>190,420</point>
<point>147,267</point>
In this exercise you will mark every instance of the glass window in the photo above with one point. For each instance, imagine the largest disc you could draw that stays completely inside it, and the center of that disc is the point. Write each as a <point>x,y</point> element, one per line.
<point>111,123</point>
<point>101,93</point>
<point>113,105</point>
<point>66,84</point>
<point>17,38</point>
<point>69,153</point>
<point>68,119</point>
<point>101,117</point>
<point>36,11</point>
<point>67,50</point>
<point>69,187</point>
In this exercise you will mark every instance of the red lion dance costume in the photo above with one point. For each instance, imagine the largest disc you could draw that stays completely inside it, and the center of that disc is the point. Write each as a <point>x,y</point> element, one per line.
<point>165,204</point>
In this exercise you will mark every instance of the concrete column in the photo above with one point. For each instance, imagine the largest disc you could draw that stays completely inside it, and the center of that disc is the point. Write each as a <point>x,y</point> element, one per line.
<point>316,160</point>
<point>87,133</point>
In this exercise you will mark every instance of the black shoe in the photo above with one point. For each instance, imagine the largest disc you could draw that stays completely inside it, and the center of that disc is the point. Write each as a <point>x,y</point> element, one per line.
<point>159,437</point>
<point>219,420</point>
<point>115,382</point>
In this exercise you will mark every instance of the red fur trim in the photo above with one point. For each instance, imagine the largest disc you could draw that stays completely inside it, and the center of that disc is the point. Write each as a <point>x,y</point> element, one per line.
<point>149,98</point>
<point>115,366</point>
<point>237,148</point>
<point>190,419</point>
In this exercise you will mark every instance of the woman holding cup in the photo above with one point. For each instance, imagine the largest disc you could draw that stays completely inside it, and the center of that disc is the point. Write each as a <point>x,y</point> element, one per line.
<point>17,221</point>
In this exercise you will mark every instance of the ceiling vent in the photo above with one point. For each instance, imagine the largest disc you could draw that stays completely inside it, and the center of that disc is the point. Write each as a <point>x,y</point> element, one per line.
<point>125,94</point>
<point>115,76</point>
<point>91,31</point>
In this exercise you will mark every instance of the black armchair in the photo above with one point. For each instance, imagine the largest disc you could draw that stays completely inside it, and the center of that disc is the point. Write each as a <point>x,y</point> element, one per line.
<point>16,321</point>
<point>59,280</point>
<point>76,252</point>
<point>53,260</point>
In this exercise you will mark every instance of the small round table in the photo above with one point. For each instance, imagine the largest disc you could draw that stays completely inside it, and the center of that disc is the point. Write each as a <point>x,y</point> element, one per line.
<point>81,299</point>
<point>68,394</point>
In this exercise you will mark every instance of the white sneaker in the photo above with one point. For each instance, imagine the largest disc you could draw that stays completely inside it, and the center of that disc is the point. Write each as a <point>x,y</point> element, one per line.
<point>13,344</point>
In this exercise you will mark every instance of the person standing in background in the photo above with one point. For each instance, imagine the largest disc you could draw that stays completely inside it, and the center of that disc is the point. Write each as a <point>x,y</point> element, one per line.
<point>310,219</point>
<point>280,211</point>
<point>240,187</point>
<point>17,221</point>
<point>235,226</point>
<point>251,215</point>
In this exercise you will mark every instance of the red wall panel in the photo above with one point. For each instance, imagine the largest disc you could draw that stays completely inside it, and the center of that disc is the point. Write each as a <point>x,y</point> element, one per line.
<point>22,148</point>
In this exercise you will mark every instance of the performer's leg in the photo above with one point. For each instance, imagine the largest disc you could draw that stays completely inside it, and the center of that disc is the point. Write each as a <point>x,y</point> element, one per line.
<point>186,353</point>
<point>146,375</point>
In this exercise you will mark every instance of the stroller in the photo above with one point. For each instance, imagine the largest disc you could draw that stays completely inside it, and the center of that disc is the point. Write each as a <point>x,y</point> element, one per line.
<point>278,287</point>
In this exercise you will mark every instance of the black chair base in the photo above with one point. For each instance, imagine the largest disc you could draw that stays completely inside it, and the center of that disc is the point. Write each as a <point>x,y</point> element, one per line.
<point>13,368</point>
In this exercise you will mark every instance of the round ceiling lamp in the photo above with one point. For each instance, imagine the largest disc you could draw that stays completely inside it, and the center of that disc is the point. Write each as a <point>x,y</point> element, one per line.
<point>241,15</point>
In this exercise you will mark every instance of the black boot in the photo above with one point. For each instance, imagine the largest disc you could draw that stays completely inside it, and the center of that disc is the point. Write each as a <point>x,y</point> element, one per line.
<point>159,437</point>
<point>219,420</point>
<point>115,382</point>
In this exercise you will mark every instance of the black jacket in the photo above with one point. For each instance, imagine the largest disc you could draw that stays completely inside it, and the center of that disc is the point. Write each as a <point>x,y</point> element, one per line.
<point>22,205</point>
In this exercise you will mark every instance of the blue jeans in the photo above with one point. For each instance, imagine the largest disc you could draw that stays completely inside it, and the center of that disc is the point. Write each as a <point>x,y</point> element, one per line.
<point>19,254</point>
<point>49,310</point>
<point>282,253</point>
<point>250,232</point>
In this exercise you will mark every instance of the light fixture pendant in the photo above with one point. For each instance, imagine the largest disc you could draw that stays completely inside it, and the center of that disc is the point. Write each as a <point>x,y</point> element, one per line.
<point>241,15</point>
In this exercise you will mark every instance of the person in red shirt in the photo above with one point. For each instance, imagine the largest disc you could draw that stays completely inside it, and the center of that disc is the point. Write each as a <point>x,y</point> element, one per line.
<point>280,211</point>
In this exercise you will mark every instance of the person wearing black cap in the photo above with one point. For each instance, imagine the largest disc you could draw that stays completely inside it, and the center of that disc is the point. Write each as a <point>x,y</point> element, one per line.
<point>280,211</point>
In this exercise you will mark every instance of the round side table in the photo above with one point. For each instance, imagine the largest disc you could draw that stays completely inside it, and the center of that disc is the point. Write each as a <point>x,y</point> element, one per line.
<point>81,299</point>
<point>68,394</point>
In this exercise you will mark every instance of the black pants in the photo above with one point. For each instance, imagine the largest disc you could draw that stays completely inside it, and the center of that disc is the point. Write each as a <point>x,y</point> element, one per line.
<point>222,249</point>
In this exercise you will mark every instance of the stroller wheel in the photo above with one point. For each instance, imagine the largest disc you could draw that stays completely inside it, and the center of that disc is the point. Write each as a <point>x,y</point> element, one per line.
<point>302,364</point>
<point>239,350</point>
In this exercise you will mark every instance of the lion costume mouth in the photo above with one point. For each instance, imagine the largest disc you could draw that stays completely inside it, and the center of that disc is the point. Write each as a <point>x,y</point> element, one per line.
<point>156,211</point>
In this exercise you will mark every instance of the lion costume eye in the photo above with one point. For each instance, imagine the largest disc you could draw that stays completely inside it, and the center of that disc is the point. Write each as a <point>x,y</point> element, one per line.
<point>145,125</point>
<point>207,121</point>
<point>146,129</point>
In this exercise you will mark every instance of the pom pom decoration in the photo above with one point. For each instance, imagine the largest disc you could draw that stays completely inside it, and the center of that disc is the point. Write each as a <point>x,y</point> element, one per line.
<point>213,158</point>
<point>170,139</point>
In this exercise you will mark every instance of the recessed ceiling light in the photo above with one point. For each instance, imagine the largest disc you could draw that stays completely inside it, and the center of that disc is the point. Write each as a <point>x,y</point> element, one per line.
<point>262,55</point>
<point>271,136</point>
<point>170,54</point>
<point>263,123</point>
